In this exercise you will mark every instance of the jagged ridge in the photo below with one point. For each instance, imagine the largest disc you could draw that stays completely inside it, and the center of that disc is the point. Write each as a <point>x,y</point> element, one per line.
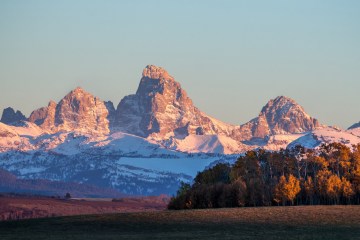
<point>161,110</point>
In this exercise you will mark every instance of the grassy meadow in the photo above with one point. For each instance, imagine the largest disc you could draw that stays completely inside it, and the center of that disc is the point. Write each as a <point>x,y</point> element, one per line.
<point>301,222</point>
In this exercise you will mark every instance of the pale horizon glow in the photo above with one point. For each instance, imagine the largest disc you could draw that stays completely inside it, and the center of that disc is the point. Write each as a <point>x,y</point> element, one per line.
<point>231,57</point>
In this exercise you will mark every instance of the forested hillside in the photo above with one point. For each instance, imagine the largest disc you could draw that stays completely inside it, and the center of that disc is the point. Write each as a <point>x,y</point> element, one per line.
<point>327,175</point>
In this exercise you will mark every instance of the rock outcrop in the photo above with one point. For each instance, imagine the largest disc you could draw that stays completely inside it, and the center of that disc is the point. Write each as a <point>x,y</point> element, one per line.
<point>10,117</point>
<point>45,116</point>
<point>111,112</point>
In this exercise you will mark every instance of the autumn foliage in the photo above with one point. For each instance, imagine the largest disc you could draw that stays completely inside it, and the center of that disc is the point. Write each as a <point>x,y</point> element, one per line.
<point>327,175</point>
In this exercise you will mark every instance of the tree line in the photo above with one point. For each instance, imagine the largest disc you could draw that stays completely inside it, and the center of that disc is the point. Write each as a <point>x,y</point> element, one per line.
<point>297,176</point>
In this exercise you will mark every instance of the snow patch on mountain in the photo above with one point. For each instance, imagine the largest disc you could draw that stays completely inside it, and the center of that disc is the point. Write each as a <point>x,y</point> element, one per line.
<point>326,135</point>
<point>205,144</point>
<point>281,141</point>
<point>129,163</point>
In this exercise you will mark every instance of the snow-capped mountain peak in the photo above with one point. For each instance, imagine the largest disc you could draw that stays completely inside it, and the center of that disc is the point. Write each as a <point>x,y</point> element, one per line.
<point>78,111</point>
<point>281,115</point>
<point>161,109</point>
<point>155,72</point>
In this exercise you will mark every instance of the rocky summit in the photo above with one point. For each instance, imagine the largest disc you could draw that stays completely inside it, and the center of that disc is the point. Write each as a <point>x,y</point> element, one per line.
<point>77,111</point>
<point>162,109</point>
<point>281,115</point>
<point>11,117</point>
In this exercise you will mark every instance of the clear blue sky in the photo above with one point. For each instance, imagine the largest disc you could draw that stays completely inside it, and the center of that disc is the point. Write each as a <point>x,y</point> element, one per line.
<point>230,56</point>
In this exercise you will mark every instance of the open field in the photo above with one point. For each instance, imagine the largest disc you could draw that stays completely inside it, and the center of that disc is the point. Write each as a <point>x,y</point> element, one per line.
<point>302,222</point>
<point>23,207</point>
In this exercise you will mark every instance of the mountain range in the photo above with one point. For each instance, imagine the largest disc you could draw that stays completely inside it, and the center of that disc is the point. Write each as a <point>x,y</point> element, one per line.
<point>151,141</point>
